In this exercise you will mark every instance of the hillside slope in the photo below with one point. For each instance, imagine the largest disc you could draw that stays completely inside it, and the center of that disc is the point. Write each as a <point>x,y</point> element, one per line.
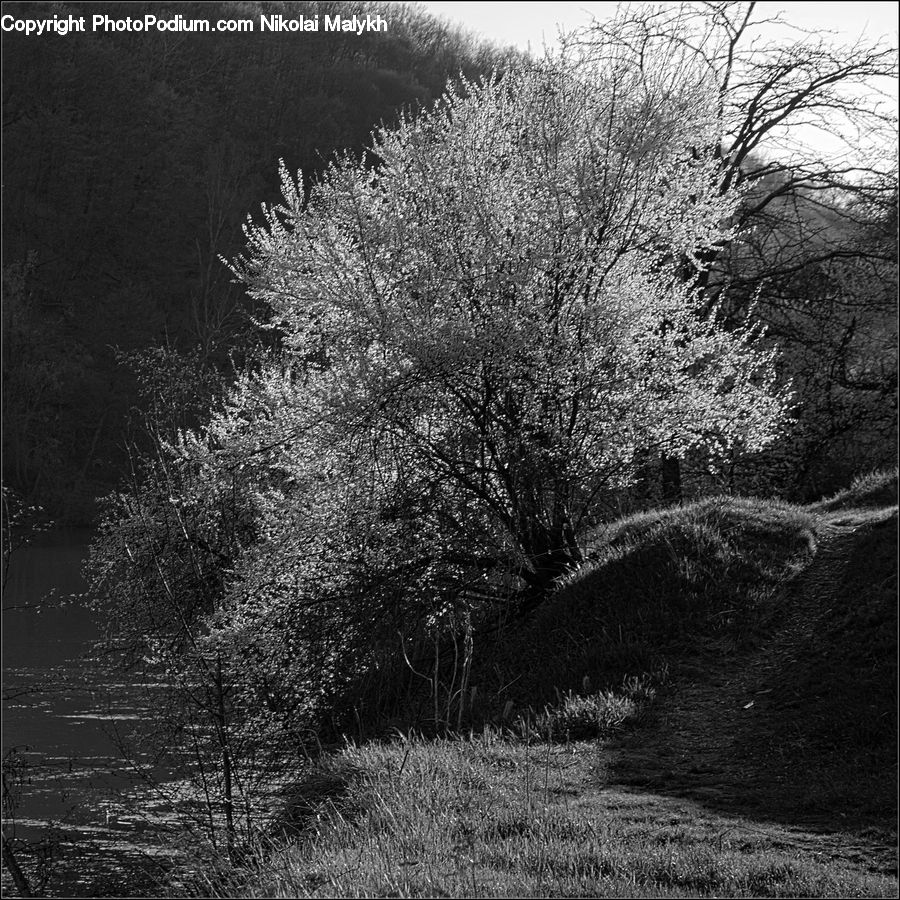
<point>758,760</point>
<point>802,729</point>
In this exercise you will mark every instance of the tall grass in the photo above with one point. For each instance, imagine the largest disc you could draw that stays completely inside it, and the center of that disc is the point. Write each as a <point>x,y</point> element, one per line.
<point>488,817</point>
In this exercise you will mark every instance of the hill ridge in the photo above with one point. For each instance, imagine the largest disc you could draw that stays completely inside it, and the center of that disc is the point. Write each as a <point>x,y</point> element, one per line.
<point>735,733</point>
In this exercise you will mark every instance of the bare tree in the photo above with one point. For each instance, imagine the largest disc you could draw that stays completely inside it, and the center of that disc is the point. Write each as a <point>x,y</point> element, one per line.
<point>809,136</point>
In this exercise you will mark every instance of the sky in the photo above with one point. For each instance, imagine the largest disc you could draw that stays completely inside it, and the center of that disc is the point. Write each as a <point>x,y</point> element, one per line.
<point>531,24</point>
<point>534,25</point>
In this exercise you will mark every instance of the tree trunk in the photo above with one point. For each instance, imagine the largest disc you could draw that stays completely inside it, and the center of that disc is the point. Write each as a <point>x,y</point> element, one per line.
<point>550,555</point>
<point>9,860</point>
<point>671,478</point>
<point>222,728</point>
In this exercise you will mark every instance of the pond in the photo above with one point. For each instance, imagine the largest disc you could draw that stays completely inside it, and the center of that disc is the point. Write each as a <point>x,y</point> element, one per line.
<point>65,724</point>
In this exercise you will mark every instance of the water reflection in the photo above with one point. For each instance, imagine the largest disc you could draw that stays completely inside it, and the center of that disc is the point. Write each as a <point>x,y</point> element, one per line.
<point>63,726</point>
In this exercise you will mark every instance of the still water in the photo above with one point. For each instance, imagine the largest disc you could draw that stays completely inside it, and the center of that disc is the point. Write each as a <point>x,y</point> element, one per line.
<point>65,725</point>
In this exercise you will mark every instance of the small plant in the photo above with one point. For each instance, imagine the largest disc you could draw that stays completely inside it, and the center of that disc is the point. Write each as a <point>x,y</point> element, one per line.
<point>579,717</point>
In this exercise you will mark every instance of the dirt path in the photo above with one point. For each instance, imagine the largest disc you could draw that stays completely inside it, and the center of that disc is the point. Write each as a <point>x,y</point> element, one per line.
<point>752,733</point>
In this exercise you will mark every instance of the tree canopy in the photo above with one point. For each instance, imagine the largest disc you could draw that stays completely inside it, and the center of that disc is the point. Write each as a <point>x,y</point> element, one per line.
<point>808,130</point>
<point>488,322</point>
<point>502,305</point>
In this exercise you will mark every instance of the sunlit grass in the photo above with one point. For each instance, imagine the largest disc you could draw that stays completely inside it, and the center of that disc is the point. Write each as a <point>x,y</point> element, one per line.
<point>529,804</point>
<point>877,489</point>
<point>490,817</point>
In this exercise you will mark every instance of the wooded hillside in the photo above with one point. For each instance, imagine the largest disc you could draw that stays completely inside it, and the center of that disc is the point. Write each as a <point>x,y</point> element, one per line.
<point>130,163</point>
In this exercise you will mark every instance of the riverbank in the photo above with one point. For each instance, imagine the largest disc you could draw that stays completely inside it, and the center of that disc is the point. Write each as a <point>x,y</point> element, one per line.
<point>740,740</point>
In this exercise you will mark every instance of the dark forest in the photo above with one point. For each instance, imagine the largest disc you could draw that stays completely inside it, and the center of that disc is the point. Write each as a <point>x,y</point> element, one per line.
<point>130,164</point>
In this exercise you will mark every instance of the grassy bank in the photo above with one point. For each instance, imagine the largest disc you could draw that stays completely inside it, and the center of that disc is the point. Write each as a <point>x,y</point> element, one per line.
<point>708,708</point>
<point>488,817</point>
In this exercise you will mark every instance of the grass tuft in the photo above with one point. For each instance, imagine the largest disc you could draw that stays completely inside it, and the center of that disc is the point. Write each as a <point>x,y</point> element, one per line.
<point>578,717</point>
<point>872,491</point>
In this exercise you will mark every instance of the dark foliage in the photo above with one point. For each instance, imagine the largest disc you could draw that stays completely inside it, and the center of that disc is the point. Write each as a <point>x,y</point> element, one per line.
<point>130,163</point>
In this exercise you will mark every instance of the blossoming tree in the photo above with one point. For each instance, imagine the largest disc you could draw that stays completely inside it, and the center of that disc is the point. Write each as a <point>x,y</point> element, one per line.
<point>497,302</point>
<point>486,324</point>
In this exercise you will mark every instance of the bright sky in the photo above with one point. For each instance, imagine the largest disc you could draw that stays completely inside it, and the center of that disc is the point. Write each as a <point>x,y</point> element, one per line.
<point>532,24</point>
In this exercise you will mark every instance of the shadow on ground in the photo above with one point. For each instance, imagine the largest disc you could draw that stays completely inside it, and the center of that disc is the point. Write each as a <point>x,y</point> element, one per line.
<point>801,730</point>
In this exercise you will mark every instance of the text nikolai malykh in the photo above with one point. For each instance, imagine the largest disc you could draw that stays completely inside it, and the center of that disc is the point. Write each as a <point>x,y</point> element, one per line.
<point>63,25</point>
